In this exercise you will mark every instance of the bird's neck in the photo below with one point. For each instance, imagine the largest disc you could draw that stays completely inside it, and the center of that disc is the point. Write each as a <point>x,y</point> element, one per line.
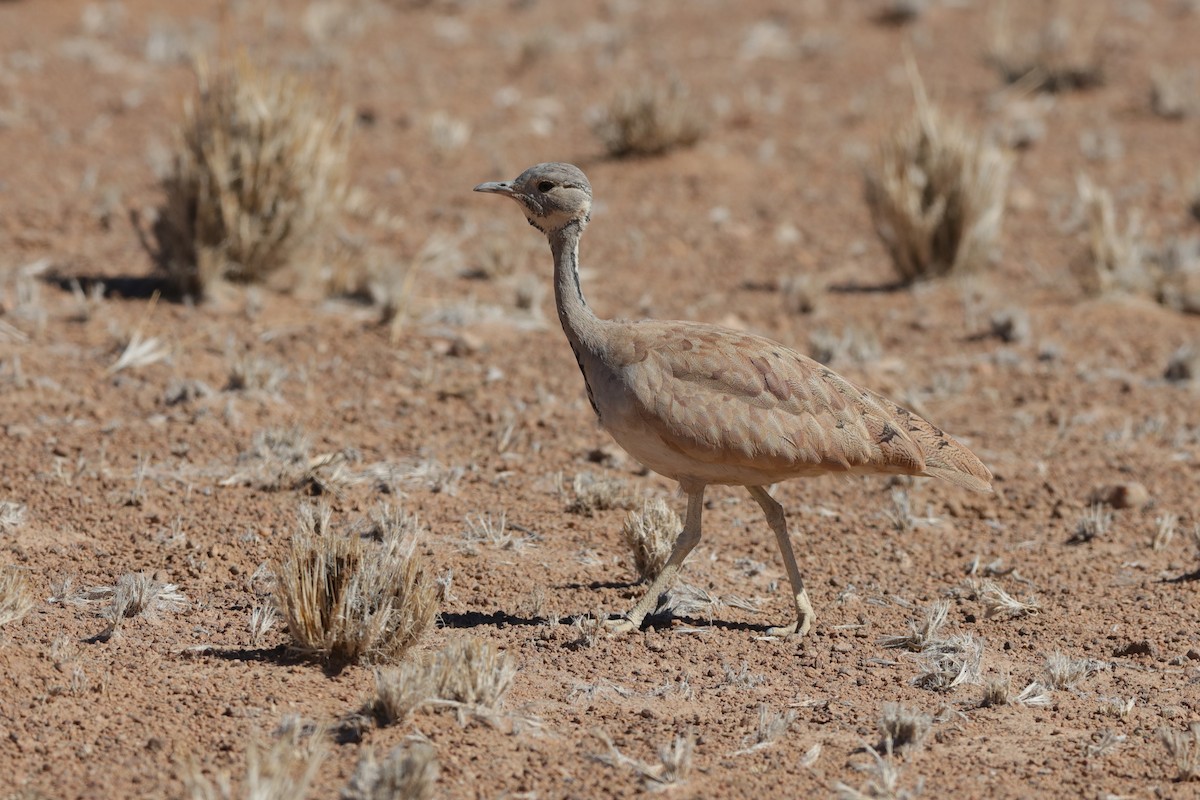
<point>578,321</point>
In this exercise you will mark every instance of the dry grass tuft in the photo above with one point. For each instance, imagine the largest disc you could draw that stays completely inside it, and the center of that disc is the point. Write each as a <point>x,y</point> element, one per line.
<point>283,772</point>
<point>901,727</point>
<point>1034,695</point>
<point>650,119</point>
<point>401,691</point>
<point>997,691</point>
<point>947,661</point>
<point>997,602</point>
<point>12,516</point>
<point>349,601</point>
<point>1063,672</point>
<point>1113,259</point>
<point>470,675</point>
<point>1175,94</point>
<point>474,673</point>
<point>671,771</point>
<point>772,725</point>
<point>594,494</point>
<point>16,597</point>
<point>1184,749</point>
<point>258,182</point>
<point>921,634</point>
<point>1095,523</point>
<point>408,773</point>
<point>650,534</point>
<point>137,594</point>
<point>936,195</point>
<point>1059,54</point>
<point>883,781</point>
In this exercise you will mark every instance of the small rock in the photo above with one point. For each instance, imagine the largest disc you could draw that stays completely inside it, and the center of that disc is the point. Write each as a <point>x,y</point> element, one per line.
<point>1121,495</point>
<point>1143,647</point>
<point>465,344</point>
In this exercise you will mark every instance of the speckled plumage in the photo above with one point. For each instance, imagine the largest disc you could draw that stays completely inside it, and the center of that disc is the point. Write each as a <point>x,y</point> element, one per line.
<point>707,405</point>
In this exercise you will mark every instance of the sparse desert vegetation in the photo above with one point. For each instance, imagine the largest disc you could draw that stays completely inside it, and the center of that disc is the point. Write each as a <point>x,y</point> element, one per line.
<point>936,194</point>
<point>346,600</point>
<point>650,119</point>
<point>234,291</point>
<point>258,180</point>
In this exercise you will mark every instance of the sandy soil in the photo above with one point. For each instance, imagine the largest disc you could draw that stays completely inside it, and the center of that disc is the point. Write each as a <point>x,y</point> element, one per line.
<point>478,409</point>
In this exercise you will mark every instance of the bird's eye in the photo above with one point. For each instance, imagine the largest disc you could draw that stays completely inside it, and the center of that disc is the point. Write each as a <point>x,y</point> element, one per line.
<point>545,186</point>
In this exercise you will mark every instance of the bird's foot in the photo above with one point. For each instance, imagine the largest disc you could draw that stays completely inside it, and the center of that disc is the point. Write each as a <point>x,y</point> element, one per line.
<point>803,623</point>
<point>620,625</point>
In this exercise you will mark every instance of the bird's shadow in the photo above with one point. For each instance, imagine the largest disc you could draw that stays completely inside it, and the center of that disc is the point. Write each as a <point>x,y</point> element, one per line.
<point>1187,577</point>
<point>659,621</point>
<point>867,288</point>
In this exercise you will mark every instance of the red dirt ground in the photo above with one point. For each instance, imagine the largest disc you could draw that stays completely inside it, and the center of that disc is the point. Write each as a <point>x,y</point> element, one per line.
<point>116,479</point>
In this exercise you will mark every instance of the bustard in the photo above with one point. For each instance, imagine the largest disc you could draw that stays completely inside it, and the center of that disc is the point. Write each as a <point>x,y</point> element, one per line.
<point>706,405</point>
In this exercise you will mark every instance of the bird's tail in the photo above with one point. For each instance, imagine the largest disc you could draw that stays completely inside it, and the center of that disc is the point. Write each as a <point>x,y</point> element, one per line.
<point>945,457</point>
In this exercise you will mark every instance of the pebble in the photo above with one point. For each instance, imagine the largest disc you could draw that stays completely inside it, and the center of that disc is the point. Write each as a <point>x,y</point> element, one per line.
<point>1121,495</point>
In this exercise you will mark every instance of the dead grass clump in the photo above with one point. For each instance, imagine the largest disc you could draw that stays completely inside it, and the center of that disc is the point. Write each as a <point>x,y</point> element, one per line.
<point>470,674</point>
<point>408,773</point>
<point>772,725</point>
<point>997,691</point>
<point>651,534</point>
<point>1034,695</point>
<point>1184,364</point>
<point>594,494</point>
<point>283,771</point>
<point>946,661</point>
<point>650,119</point>
<point>1179,270</point>
<point>1114,259</point>
<point>250,373</point>
<point>1063,672</point>
<point>401,691</point>
<point>883,780</point>
<point>1184,749</point>
<point>347,600</point>
<point>276,459</point>
<point>1095,523</point>
<point>473,672</point>
<point>949,663</point>
<point>1175,94</point>
<point>16,598</point>
<point>258,181</point>
<point>921,634</point>
<point>901,727</point>
<point>12,516</point>
<point>139,593</point>
<point>279,458</point>
<point>1057,53</point>
<point>999,603</point>
<point>936,195</point>
<point>674,761</point>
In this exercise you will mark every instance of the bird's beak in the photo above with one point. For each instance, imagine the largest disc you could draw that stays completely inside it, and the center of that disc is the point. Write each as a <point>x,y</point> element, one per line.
<point>496,187</point>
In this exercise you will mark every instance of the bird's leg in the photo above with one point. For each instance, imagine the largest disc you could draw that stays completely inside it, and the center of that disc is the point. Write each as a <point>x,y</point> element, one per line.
<point>689,537</point>
<point>775,518</point>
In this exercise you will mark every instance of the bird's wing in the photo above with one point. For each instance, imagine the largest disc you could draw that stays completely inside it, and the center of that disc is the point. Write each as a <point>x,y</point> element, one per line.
<point>718,395</point>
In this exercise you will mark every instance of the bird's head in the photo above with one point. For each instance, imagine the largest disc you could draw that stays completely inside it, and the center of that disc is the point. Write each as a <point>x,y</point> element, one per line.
<point>552,195</point>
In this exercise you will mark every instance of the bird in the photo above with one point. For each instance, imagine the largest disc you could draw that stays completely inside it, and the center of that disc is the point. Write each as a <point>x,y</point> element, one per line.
<point>707,405</point>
